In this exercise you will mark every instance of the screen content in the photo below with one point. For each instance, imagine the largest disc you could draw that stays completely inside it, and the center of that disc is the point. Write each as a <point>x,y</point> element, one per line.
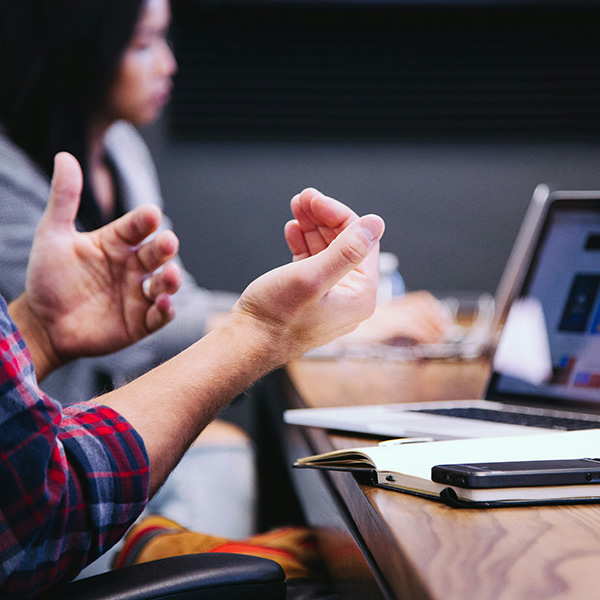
<point>565,279</point>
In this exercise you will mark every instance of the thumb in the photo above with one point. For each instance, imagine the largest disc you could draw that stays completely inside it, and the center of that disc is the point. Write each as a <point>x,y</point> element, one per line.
<point>349,250</point>
<point>65,192</point>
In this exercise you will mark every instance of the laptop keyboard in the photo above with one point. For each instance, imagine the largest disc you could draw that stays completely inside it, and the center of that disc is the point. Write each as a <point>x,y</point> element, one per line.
<point>516,418</point>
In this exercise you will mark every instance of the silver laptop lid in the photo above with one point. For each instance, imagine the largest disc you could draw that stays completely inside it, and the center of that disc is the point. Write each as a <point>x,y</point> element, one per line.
<point>521,253</point>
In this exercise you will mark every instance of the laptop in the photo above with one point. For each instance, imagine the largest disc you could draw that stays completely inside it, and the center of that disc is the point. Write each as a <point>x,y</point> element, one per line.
<point>556,264</point>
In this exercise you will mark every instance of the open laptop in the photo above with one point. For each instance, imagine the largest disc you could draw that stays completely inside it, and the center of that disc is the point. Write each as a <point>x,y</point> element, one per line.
<point>558,265</point>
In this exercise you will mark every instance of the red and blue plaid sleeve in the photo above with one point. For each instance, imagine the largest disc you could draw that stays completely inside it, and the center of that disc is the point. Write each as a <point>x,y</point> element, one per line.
<point>72,479</point>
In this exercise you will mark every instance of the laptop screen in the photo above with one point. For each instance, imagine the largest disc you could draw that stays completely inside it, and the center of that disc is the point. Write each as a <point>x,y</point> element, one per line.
<point>564,276</point>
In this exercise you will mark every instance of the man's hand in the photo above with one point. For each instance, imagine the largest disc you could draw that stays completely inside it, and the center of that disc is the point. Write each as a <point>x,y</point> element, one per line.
<point>331,285</point>
<point>84,290</point>
<point>417,316</point>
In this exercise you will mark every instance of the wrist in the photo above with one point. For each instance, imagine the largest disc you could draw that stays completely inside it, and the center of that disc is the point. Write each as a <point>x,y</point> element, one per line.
<point>267,344</point>
<point>43,355</point>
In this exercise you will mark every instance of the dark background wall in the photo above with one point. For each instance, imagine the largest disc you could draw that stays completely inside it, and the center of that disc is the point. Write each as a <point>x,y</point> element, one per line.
<point>443,120</point>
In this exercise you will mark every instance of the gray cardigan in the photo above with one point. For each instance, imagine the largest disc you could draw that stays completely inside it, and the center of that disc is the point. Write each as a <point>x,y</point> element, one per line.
<point>24,192</point>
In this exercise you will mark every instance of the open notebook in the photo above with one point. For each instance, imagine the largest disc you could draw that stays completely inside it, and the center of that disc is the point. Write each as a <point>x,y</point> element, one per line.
<point>559,272</point>
<point>407,467</point>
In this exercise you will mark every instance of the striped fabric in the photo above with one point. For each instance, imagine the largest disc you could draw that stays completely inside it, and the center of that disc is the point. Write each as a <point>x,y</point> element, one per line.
<point>155,537</point>
<point>72,480</point>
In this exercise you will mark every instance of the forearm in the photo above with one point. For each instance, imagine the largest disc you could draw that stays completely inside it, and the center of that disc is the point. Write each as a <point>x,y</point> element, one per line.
<point>171,404</point>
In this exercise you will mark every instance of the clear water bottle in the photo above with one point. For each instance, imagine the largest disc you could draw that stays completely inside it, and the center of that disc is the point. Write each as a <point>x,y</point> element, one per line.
<point>390,285</point>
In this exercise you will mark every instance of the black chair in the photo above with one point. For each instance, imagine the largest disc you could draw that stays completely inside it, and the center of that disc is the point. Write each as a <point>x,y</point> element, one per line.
<point>209,576</point>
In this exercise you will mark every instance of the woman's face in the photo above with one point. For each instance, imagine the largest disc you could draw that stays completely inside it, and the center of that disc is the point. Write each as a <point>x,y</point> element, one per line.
<point>143,82</point>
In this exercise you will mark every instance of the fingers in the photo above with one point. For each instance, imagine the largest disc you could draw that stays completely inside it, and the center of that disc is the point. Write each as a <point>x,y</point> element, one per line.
<point>162,286</point>
<point>158,251</point>
<point>296,242</point>
<point>160,312</point>
<point>351,250</point>
<point>320,218</point>
<point>135,226</point>
<point>312,209</point>
<point>166,281</point>
<point>65,193</point>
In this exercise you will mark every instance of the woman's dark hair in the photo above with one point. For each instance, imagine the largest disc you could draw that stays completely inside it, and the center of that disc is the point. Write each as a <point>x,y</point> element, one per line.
<point>57,61</point>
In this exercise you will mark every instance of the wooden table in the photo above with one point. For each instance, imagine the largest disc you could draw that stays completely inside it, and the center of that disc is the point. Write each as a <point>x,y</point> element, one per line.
<point>384,544</point>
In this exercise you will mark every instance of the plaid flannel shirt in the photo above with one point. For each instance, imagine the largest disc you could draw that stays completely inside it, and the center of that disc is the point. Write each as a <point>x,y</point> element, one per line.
<point>72,480</point>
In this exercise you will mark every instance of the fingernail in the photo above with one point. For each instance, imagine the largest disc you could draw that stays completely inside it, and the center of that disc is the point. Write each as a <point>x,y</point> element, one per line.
<point>373,226</point>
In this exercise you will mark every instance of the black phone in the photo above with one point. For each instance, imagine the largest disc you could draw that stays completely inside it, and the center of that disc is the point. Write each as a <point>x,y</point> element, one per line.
<point>519,473</point>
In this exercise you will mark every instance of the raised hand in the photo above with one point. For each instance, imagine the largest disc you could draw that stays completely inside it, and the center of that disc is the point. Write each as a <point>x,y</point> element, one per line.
<point>331,285</point>
<point>84,291</point>
<point>417,316</point>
